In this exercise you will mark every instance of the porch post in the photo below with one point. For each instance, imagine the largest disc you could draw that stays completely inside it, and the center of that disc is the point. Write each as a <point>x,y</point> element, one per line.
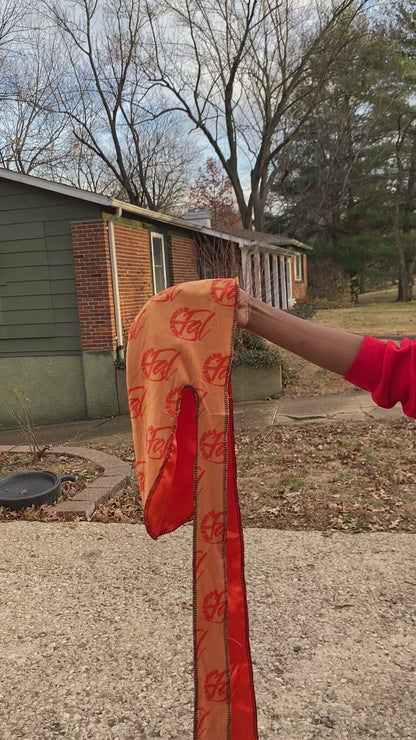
<point>277,301</point>
<point>267,282</point>
<point>246,269</point>
<point>257,275</point>
<point>282,261</point>
<point>289,283</point>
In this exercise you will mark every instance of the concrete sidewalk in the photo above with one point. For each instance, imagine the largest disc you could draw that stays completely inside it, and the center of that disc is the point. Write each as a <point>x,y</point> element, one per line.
<point>356,405</point>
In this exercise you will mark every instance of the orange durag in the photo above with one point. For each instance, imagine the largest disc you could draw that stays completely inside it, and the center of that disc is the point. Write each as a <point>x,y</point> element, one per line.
<point>179,386</point>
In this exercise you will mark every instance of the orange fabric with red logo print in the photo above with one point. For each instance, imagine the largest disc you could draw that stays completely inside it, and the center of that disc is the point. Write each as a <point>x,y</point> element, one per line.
<point>179,386</point>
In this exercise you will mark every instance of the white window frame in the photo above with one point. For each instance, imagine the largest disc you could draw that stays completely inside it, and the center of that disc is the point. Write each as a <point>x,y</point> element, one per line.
<point>299,278</point>
<point>155,234</point>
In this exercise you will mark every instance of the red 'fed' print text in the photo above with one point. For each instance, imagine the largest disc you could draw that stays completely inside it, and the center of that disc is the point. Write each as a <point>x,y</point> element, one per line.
<point>159,364</point>
<point>215,687</point>
<point>157,441</point>
<point>191,324</point>
<point>141,474</point>
<point>215,369</point>
<point>213,606</point>
<point>167,295</point>
<point>212,527</point>
<point>224,291</point>
<point>212,446</point>
<point>136,401</point>
<point>137,325</point>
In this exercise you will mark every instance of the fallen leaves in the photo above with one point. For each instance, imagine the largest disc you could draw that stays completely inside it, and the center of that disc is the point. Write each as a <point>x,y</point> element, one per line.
<point>349,476</point>
<point>352,476</point>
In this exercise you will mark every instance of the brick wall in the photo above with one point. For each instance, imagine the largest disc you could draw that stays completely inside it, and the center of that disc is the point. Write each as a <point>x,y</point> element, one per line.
<point>94,283</point>
<point>133,267</point>
<point>94,287</point>
<point>183,255</point>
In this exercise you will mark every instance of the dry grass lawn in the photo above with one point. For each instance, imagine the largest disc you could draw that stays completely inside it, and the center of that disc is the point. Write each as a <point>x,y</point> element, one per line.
<point>380,319</point>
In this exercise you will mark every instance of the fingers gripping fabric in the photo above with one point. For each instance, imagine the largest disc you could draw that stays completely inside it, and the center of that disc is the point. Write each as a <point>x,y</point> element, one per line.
<point>179,386</point>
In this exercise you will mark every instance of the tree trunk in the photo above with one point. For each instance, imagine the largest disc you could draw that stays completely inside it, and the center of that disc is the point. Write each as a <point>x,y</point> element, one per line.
<point>257,203</point>
<point>405,290</point>
<point>406,263</point>
<point>407,269</point>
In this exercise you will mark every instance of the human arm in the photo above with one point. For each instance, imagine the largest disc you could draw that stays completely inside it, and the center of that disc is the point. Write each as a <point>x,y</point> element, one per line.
<point>387,371</point>
<point>329,348</point>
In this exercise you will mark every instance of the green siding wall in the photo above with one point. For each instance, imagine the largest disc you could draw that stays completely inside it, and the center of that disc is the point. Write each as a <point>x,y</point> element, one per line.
<point>38,305</point>
<point>54,387</point>
<point>59,388</point>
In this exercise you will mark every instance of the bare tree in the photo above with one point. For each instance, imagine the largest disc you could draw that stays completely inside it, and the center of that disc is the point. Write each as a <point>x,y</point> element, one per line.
<point>110,104</point>
<point>33,137</point>
<point>87,171</point>
<point>12,16</point>
<point>28,134</point>
<point>218,257</point>
<point>237,69</point>
<point>12,24</point>
<point>212,190</point>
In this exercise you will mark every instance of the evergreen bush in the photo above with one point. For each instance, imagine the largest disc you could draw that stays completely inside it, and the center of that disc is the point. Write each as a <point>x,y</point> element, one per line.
<point>249,349</point>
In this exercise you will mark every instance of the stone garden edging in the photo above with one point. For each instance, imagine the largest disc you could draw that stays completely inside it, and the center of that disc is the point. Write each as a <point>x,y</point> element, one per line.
<point>116,474</point>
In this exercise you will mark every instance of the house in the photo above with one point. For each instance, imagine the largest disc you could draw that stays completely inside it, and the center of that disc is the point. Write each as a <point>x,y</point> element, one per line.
<point>271,267</point>
<point>75,269</point>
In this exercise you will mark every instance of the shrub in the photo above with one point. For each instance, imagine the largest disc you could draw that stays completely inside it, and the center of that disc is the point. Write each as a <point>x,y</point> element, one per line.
<point>306,308</point>
<point>303,309</point>
<point>249,349</point>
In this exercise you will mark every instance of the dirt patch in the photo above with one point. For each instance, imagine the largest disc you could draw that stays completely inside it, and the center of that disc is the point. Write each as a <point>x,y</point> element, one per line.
<point>350,476</point>
<point>14,462</point>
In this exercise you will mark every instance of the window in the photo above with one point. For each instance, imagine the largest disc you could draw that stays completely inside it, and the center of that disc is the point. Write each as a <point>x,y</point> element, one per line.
<point>160,279</point>
<point>298,267</point>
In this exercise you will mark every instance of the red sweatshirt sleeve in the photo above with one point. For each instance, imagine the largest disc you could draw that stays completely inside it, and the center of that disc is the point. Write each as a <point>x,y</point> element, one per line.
<point>387,371</point>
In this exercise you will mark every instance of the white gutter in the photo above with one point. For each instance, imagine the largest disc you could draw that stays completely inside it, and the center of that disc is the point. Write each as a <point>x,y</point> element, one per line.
<point>114,278</point>
<point>146,214</point>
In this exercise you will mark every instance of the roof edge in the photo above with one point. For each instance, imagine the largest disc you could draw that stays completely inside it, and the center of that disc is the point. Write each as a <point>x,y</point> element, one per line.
<point>88,195</point>
<point>242,241</point>
<point>106,202</point>
<point>39,182</point>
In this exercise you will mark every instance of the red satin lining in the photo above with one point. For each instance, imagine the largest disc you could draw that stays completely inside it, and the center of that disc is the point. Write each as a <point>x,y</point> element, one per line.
<point>243,703</point>
<point>175,488</point>
<point>175,491</point>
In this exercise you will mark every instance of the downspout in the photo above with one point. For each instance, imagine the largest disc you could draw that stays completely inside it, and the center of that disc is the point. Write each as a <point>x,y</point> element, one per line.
<point>120,353</point>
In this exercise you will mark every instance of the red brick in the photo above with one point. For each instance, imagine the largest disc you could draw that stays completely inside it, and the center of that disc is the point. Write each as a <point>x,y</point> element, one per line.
<point>94,284</point>
<point>71,508</point>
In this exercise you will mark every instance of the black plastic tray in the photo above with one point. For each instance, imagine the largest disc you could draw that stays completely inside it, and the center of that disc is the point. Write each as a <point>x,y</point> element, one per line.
<point>31,488</point>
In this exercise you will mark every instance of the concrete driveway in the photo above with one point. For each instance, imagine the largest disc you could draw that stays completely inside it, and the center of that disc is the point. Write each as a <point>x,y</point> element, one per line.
<point>96,620</point>
<point>96,633</point>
